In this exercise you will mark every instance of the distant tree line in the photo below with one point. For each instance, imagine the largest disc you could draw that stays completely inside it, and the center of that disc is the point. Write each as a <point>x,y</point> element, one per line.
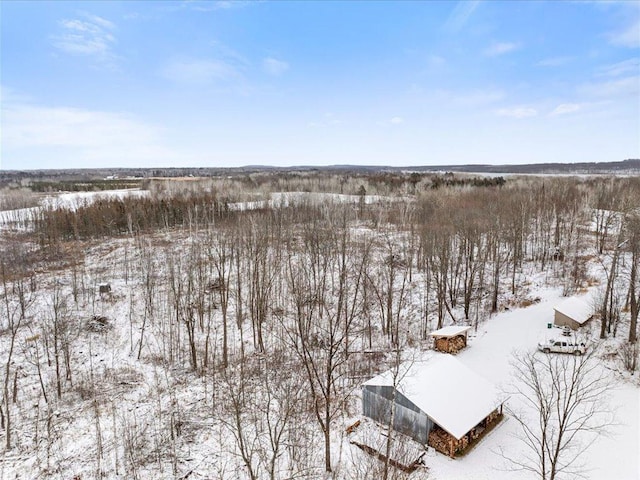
<point>451,181</point>
<point>117,216</point>
<point>83,186</point>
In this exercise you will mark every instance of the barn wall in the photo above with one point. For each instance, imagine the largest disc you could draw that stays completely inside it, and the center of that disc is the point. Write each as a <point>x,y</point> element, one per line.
<point>562,320</point>
<point>408,419</point>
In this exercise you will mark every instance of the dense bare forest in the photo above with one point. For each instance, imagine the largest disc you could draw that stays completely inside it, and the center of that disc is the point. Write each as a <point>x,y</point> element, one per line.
<point>210,329</point>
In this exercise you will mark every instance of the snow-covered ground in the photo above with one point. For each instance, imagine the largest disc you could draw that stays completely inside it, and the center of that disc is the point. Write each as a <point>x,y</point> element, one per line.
<point>71,200</point>
<point>132,385</point>
<point>613,457</point>
<point>133,393</point>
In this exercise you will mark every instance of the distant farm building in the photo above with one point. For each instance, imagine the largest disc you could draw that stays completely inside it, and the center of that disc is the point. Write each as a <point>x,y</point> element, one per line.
<point>104,288</point>
<point>450,339</point>
<point>439,402</point>
<point>573,313</point>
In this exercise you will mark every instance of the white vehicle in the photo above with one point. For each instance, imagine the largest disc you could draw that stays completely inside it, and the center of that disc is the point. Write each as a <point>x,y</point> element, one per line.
<point>563,345</point>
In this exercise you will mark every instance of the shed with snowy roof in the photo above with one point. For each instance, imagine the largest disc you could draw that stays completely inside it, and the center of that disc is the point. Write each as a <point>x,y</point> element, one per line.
<point>450,339</point>
<point>439,402</point>
<point>573,313</point>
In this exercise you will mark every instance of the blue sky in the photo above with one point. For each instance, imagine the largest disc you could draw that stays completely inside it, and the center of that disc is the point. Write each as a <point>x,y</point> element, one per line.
<point>224,84</point>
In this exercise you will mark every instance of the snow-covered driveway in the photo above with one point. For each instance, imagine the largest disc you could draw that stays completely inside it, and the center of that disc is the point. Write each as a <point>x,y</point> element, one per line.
<point>615,457</point>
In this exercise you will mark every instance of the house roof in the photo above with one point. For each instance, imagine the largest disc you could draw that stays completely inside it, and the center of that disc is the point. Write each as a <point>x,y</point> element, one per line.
<point>450,393</point>
<point>451,331</point>
<point>575,308</point>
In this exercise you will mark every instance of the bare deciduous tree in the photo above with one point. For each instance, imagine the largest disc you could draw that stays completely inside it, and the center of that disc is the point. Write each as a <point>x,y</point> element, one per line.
<point>59,334</point>
<point>633,227</point>
<point>566,396</point>
<point>325,282</point>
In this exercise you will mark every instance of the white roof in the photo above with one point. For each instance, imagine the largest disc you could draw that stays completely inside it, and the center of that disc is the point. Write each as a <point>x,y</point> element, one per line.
<point>575,308</point>
<point>451,331</point>
<point>450,393</point>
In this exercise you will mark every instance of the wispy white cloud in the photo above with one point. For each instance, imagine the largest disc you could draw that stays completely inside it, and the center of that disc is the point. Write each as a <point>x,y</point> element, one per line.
<point>221,50</point>
<point>222,67</point>
<point>628,36</point>
<point>460,15</point>
<point>212,6</point>
<point>89,35</point>
<point>500,48</point>
<point>565,108</point>
<point>274,67</point>
<point>435,62</point>
<point>476,98</point>
<point>102,22</point>
<point>396,120</point>
<point>28,125</point>
<point>517,112</point>
<point>328,119</point>
<point>78,135</point>
<point>9,95</point>
<point>629,66</point>
<point>554,61</point>
<point>201,72</point>
<point>622,87</point>
<point>466,99</point>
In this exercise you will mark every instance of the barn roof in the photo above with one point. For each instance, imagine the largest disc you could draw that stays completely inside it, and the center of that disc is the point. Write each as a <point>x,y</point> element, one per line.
<point>575,308</point>
<point>451,331</point>
<point>450,393</point>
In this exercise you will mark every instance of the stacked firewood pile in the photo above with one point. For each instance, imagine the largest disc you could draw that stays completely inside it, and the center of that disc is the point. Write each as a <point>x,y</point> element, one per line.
<point>439,440</point>
<point>445,443</point>
<point>476,432</point>
<point>492,417</point>
<point>451,345</point>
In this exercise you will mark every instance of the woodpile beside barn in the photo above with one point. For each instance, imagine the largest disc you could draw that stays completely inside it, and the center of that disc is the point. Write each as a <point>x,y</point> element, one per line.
<point>444,442</point>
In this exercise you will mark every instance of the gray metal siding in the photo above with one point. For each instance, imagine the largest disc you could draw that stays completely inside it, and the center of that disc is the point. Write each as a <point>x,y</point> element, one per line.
<point>562,320</point>
<point>407,418</point>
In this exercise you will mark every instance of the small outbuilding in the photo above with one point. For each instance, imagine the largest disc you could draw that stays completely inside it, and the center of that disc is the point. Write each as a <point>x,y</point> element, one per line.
<point>450,339</point>
<point>439,402</point>
<point>573,313</point>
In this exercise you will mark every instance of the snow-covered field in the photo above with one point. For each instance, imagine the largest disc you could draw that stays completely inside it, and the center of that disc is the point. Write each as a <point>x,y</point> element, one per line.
<point>72,200</point>
<point>67,200</point>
